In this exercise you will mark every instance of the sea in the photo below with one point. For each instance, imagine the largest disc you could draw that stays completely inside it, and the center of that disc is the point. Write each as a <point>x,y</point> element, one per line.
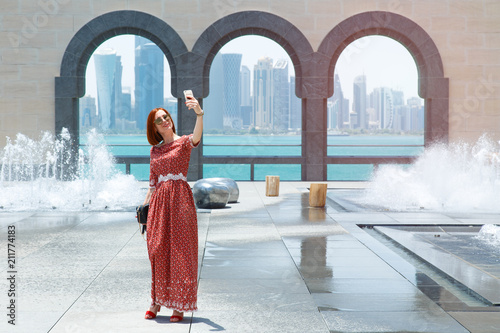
<point>274,145</point>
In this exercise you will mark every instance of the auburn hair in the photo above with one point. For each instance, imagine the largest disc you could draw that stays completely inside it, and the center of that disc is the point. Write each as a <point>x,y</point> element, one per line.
<point>154,137</point>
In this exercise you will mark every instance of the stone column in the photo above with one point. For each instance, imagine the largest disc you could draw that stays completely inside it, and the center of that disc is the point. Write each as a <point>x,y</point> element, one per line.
<point>68,91</point>
<point>314,139</point>
<point>189,76</point>
<point>314,93</point>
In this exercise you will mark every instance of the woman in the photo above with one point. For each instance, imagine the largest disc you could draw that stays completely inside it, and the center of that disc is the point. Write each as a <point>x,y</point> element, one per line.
<point>172,223</point>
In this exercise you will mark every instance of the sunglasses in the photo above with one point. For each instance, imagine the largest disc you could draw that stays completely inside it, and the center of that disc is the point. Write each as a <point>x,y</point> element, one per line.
<point>160,120</point>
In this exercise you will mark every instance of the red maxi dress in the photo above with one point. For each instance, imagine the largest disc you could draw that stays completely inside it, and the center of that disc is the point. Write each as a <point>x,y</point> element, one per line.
<point>173,228</point>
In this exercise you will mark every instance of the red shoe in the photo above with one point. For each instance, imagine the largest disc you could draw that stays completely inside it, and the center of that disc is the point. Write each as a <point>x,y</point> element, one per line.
<point>177,318</point>
<point>151,314</point>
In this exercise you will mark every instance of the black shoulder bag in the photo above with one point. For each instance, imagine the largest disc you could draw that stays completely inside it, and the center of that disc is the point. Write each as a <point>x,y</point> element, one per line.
<point>142,216</point>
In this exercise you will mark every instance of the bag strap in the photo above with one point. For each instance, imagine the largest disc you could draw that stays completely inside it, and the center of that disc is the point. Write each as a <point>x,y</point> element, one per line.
<point>142,234</point>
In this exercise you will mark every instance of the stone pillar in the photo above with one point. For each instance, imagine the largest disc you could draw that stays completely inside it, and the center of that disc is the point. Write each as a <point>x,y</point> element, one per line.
<point>186,120</point>
<point>314,139</point>
<point>314,93</point>
<point>68,91</point>
<point>436,110</point>
<point>189,76</point>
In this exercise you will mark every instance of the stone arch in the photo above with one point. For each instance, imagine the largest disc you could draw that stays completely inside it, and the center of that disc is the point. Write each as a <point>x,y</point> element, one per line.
<point>252,23</point>
<point>262,24</point>
<point>70,85</point>
<point>433,86</point>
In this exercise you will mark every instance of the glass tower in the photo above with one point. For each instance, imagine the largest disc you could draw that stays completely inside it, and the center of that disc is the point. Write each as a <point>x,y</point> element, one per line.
<point>108,76</point>
<point>281,94</point>
<point>148,81</point>
<point>231,63</point>
<point>359,103</point>
<point>263,93</point>
<point>245,97</point>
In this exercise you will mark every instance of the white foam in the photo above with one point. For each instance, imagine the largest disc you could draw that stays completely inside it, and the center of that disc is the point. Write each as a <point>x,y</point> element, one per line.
<point>490,233</point>
<point>40,175</point>
<point>455,177</point>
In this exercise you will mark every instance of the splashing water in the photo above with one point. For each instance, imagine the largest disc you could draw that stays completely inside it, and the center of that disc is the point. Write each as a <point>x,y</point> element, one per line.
<point>455,177</point>
<point>490,233</point>
<point>48,174</point>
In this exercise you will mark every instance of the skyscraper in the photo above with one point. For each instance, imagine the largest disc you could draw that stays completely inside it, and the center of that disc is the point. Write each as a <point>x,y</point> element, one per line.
<point>139,41</point>
<point>108,76</point>
<point>416,110</point>
<point>359,102</point>
<point>231,63</point>
<point>382,102</point>
<point>88,113</point>
<point>401,118</point>
<point>339,116</point>
<point>148,80</point>
<point>125,122</point>
<point>245,97</point>
<point>263,93</point>
<point>126,104</point>
<point>118,107</point>
<point>281,96</point>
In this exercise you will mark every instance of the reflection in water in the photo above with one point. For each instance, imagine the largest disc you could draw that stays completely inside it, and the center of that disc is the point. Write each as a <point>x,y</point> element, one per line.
<point>313,253</point>
<point>311,214</point>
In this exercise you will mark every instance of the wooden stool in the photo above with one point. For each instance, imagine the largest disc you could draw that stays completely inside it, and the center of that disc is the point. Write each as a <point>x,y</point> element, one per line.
<point>272,186</point>
<point>317,195</point>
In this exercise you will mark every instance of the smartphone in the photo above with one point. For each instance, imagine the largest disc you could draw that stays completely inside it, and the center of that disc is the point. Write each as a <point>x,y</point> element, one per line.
<point>188,93</point>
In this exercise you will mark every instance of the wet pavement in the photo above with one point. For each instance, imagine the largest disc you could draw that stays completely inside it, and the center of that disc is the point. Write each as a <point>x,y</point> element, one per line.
<point>267,264</point>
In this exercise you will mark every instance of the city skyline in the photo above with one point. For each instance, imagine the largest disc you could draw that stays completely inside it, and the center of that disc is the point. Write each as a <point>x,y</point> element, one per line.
<point>269,101</point>
<point>383,60</point>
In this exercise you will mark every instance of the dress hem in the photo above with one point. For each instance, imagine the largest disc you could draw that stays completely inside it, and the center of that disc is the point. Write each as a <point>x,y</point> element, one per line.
<point>176,308</point>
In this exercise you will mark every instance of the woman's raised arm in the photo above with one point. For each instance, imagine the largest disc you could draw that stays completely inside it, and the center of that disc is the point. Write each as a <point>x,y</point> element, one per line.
<point>192,104</point>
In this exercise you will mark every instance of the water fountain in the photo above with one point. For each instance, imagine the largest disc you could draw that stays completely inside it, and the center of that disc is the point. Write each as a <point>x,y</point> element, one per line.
<point>43,175</point>
<point>457,177</point>
<point>455,180</point>
<point>490,234</point>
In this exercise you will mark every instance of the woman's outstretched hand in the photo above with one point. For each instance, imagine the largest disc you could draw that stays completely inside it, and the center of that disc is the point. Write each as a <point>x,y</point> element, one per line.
<point>192,104</point>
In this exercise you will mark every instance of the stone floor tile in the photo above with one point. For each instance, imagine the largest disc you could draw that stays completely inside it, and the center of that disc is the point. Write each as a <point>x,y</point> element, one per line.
<point>265,302</point>
<point>266,264</point>
<point>362,285</point>
<point>256,286</point>
<point>399,321</point>
<point>258,321</point>
<point>478,322</point>
<point>380,302</point>
<point>107,321</point>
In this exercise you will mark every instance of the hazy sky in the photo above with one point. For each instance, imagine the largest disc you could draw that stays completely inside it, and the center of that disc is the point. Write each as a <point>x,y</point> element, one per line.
<point>384,61</point>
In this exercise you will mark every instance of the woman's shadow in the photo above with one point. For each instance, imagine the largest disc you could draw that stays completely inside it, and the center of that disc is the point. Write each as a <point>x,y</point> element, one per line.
<point>216,327</point>
<point>194,320</point>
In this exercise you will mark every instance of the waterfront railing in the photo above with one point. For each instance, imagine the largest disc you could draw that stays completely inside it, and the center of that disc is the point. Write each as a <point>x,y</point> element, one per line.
<point>252,161</point>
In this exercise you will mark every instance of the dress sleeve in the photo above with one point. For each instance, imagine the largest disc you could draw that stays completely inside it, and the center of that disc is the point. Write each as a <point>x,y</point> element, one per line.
<point>190,141</point>
<point>153,178</point>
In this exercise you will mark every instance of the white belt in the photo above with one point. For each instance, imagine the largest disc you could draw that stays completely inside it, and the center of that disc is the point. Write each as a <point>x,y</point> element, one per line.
<point>170,176</point>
